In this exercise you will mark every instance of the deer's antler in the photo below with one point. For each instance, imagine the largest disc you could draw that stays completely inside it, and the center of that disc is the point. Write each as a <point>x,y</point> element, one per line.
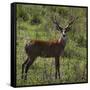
<point>58,27</point>
<point>71,21</point>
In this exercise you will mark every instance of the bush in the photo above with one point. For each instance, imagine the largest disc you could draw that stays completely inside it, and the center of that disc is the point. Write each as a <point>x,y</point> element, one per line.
<point>35,21</point>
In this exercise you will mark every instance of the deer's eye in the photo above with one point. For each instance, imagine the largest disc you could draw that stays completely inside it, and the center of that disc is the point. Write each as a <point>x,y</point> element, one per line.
<point>61,30</point>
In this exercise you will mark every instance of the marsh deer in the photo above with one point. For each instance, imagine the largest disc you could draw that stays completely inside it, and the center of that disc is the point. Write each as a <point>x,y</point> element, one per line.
<point>39,48</point>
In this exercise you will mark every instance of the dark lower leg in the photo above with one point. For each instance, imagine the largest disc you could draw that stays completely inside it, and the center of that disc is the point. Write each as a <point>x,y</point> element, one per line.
<point>23,66</point>
<point>58,73</point>
<point>57,67</point>
<point>27,67</point>
<point>29,63</point>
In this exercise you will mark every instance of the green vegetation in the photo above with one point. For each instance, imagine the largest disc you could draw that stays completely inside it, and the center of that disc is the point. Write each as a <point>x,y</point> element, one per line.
<point>34,22</point>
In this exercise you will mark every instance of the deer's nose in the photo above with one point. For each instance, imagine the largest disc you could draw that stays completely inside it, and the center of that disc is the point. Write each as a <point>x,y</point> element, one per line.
<point>63,35</point>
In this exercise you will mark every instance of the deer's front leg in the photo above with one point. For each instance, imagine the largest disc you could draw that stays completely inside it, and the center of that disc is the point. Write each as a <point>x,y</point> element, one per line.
<point>57,71</point>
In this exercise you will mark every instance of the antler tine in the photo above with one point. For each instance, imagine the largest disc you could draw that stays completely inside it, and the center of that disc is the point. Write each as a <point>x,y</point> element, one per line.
<point>53,19</point>
<point>57,24</point>
<point>71,22</point>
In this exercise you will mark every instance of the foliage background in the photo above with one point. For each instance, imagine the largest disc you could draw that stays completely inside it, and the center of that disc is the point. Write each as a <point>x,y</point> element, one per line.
<point>34,22</point>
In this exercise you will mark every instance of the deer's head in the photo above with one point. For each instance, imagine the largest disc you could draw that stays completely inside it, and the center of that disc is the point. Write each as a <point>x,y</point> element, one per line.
<point>65,29</point>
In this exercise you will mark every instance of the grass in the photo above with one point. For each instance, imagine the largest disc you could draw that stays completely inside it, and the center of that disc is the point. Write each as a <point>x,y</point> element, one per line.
<point>72,65</point>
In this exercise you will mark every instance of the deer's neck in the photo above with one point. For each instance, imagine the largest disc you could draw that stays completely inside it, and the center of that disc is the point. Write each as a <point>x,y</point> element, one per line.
<point>62,41</point>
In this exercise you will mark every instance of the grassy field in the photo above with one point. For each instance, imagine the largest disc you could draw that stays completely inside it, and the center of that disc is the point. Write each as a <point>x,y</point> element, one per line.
<point>33,22</point>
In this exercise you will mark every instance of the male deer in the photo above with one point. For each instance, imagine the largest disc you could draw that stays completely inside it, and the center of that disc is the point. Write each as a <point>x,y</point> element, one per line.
<point>38,48</point>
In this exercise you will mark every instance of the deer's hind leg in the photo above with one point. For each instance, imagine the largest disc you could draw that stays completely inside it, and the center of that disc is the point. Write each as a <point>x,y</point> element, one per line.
<point>23,67</point>
<point>28,64</point>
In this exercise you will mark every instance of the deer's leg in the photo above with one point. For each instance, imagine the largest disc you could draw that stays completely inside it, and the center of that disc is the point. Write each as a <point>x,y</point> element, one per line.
<point>23,66</point>
<point>55,68</point>
<point>28,64</point>
<point>58,66</point>
<point>57,72</point>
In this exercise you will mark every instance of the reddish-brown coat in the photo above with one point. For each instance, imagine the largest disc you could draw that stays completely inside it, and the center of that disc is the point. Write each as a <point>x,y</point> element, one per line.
<point>45,48</point>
